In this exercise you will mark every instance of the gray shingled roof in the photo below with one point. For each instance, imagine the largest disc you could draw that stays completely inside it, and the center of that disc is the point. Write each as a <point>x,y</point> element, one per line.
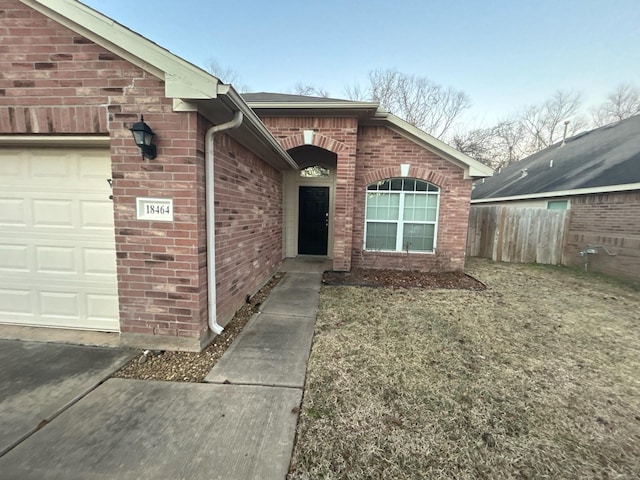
<point>266,97</point>
<point>606,156</point>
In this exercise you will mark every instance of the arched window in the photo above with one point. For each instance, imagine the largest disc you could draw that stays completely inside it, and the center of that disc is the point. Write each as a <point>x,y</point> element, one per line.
<point>401,215</point>
<point>315,171</point>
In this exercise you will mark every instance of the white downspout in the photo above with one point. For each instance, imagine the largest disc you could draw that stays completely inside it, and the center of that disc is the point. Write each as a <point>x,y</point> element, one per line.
<point>210,216</point>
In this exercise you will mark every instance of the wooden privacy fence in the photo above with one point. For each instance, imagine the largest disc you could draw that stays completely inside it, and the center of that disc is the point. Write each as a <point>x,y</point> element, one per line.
<point>517,235</point>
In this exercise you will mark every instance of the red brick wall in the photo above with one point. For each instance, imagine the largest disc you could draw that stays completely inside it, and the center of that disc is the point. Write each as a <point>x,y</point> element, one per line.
<point>53,81</point>
<point>609,219</point>
<point>380,154</point>
<point>339,136</point>
<point>248,204</point>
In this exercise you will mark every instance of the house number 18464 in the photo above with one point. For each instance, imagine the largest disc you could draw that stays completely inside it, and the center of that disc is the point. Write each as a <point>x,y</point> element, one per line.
<point>157,209</point>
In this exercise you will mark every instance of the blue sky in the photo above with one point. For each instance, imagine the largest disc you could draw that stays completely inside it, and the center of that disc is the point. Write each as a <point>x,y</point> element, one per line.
<point>504,54</point>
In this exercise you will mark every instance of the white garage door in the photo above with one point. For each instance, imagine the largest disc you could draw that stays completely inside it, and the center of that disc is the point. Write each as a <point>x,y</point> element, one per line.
<point>57,242</point>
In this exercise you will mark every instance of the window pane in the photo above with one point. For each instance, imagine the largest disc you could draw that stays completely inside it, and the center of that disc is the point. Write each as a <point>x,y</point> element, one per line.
<point>409,185</point>
<point>384,185</point>
<point>396,184</point>
<point>415,207</point>
<point>557,205</point>
<point>383,206</point>
<point>421,186</point>
<point>418,237</point>
<point>381,236</point>
<point>314,171</point>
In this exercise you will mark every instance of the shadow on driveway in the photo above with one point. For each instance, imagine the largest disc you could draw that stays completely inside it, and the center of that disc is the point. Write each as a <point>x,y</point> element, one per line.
<point>40,380</point>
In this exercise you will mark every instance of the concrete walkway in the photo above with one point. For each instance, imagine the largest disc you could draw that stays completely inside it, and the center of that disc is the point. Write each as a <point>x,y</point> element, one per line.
<point>239,425</point>
<point>274,347</point>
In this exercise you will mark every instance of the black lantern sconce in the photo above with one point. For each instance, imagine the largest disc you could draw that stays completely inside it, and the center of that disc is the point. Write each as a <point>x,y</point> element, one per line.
<point>143,136</point>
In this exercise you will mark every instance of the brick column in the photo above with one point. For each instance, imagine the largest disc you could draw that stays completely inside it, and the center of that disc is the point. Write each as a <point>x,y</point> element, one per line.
<point>345,184</point>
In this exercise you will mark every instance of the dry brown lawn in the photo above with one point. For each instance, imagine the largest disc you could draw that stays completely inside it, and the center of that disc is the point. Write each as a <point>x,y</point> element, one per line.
<point>536,377</point>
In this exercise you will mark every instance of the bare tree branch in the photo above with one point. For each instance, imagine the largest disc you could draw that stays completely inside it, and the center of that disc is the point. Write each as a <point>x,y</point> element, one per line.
<point>545,122</point>
<point>309,90</point>
<point>356,92</point>
<point>623,102</point>
<point>227,75</point>
<point>417,100</point>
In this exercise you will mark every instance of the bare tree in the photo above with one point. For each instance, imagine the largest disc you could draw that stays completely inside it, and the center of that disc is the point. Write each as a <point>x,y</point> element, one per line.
<point>545,122</point>
<point>416,99</point>
<point>226,75</point>
<point>309,90</point>
<point>357,93</point>
<point>497,146</point>
<point>623,102</point>
<point>475,143</point>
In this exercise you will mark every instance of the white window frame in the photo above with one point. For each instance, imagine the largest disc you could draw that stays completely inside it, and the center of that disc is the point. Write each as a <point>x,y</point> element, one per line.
<point>400,222</point>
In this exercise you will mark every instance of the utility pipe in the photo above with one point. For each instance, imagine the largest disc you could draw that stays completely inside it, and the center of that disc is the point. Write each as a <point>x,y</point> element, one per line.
<point>210,216</point>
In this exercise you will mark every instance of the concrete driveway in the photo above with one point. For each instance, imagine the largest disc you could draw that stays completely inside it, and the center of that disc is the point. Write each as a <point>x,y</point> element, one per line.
<point>40,380</point>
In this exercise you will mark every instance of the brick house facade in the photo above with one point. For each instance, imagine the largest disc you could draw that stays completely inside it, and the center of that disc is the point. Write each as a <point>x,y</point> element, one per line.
<point>70,85</point>
<point>613,221</point>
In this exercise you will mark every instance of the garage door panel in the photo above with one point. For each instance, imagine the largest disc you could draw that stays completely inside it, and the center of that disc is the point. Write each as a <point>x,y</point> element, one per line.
<point>95,214</point>
<point>56,260</point>
<point>16,301</point>
<point>102,307</point>
<point>46,167</point>
<point>53,213</point>
<point>13,212</point>
<point>58,304</point>
<point>14,258</point>
<point>99,262</point>
<point>13,167</point>
<point>57,242</point>
<point>93,169</point>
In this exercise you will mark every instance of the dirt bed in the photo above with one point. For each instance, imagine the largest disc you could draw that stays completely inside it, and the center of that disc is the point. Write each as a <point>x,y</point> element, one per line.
<point>403,279</point>
<point>189,366</point>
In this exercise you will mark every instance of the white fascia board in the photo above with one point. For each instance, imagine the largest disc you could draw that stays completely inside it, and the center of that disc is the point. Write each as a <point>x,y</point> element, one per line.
<point>472,168</point>
<point>182,79</point>
<point>563,193</point>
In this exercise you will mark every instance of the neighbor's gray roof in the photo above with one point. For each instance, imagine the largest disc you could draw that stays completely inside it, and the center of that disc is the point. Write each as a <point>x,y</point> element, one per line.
<point>603,157</point>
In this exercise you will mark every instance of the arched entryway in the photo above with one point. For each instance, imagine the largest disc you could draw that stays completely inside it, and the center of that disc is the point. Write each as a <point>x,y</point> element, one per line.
<point>310,202</point>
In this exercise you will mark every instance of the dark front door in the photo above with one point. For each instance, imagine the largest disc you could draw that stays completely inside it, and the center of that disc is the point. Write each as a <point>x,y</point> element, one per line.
<point>313,221</point>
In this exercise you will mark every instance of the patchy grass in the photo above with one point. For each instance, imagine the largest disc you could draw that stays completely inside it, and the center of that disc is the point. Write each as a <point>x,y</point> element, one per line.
<point>536,377</point>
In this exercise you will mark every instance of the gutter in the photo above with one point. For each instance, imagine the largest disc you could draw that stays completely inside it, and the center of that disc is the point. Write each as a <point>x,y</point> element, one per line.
<point>562,193</point>
<point>210,217</point>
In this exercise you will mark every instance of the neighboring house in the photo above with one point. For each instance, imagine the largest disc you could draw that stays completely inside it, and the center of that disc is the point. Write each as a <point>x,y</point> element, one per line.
<point>596,175</point>
<point>164,250</point>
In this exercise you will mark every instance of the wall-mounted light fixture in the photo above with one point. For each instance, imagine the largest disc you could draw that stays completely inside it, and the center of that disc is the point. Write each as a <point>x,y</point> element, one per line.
<point>143,136</point>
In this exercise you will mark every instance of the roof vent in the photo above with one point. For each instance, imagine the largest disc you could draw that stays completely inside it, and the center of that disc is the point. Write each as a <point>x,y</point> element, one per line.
<point>523,173</point>
<point>564,135</point>
<point>551,163</point>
